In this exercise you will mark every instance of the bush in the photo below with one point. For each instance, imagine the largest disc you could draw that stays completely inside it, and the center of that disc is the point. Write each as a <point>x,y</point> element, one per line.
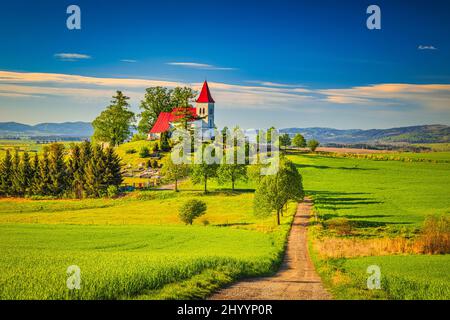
<point>191,209</point>
<point>144,153</point>
<point>113,191</point>
<point>130,151</point>
<point>435,235</point>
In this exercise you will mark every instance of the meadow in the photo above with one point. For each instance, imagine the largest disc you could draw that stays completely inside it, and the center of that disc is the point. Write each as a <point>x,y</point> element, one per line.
<point>379,200</point>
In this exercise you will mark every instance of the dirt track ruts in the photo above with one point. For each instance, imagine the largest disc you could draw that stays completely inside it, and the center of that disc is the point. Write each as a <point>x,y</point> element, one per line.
<point>296,279</point>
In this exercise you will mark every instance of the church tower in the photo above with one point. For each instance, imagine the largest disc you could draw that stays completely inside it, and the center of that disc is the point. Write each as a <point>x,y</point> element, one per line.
<point>205,107</point>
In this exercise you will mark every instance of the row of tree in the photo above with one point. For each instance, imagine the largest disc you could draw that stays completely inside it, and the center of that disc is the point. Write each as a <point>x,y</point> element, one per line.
<point>201,173</point>
<point>273,192</point>
<point>298,141</point>
<point>83,170</point>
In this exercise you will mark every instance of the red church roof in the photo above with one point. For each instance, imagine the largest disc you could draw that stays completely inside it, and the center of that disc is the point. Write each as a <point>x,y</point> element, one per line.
<point>162,124</point>
<point>205,95</point>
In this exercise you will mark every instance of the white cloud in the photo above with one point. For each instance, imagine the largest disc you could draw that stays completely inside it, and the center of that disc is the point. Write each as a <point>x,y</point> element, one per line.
<point>422,47</point>
<point>195,65</point>
<point>271,96</point>
<point>72,56</point>
<point>128,60</point>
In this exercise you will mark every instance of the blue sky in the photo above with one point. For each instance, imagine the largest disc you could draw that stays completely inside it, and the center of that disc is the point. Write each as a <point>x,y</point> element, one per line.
<point>282,63</point>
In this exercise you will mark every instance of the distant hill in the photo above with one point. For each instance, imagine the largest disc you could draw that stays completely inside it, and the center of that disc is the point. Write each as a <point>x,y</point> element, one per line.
<point>66,129</point>
<point>414,134</point>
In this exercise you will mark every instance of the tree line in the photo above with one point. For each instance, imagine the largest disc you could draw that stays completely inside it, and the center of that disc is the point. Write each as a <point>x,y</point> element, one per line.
<point>83,171</point>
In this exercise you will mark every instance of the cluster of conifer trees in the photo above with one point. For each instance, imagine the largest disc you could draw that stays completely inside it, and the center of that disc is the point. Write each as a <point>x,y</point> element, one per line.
<point>81,171</point>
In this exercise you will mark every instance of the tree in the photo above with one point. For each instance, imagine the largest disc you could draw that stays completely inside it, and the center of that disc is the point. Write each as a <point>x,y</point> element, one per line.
<point>285,140</point>
<point>231,173</point>
<point>42,181</point>
<point>174,172</point>
<point>113,168</point>
<point>113,124</point>
<point>313,144</point>
<point>16,179</point>
<point>299,141</point>
<point>23,176</point>
<point>156,100</point>
<point>164,142</point>
<point>191,209</point>
<point>76,171</point>
<point>94,182</point>
<point>274,191</point>
<point>203,171</point>
<point>182,96</point>
<point>6,174</point>
<point>57,170</point>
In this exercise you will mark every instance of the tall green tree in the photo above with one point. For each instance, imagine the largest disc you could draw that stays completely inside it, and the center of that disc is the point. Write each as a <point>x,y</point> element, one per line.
<point>156,100</point>
<point>231,172</point>
<point>114,124</point>
<point>16,179</point>
<point>313,145</point>
<point>94,183</point>
<point>285,140</point>
<point>42,182</point>
<point>75,171</point>
<point>202,172</point>
<point>182,96</point>
<point>36,168</point>
<point>274,191</point>
<point>6,174</point>
<point>25,175</point>
<point>299,141</point>
<point>174,172</point>
<point>112,175</point>
<point>57,170</point>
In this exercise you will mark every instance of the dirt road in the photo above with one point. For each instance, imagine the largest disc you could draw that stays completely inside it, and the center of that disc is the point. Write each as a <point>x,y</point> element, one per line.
<point>296,279</point>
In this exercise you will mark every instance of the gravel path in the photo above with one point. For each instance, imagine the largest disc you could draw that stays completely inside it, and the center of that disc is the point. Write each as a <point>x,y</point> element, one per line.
<point>296,279</point>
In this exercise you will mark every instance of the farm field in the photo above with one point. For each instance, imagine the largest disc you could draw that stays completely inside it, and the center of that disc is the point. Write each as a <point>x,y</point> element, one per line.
<point>134,247</point>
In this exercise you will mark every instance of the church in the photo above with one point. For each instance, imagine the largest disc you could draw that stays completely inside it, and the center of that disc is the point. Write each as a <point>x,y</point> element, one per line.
<point>202,116</point>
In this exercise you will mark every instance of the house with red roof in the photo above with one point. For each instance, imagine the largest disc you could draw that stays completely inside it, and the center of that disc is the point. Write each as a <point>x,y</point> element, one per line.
<point>201,116</point>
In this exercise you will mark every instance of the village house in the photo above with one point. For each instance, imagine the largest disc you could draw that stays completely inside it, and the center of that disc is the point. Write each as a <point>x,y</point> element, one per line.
<point>201,116</point>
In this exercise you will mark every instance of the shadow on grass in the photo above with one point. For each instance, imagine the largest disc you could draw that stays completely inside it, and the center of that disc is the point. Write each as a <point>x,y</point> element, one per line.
<point>339,201</point>
<point>300,166</point>
<point>233,224</point>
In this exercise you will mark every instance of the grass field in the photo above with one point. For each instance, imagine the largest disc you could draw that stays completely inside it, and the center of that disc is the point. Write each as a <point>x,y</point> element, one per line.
<point>402,277</point>
<point>134,247</point>
<point>380,199</point>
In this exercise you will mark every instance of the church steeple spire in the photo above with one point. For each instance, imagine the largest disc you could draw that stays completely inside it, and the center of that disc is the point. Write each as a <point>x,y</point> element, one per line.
<point>205,94</point>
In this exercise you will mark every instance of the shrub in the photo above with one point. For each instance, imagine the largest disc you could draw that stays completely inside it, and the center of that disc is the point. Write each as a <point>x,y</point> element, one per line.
<point>130,151</point>
<point>191,209</point>
<point>144,153</point>
<point>435,235</point>
<point>113,191</point>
